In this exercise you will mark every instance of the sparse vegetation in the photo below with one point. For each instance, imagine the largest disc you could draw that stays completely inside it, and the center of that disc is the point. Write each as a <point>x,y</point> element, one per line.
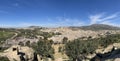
<point>4,35</point>
<point>77,49</point>
<point>21,43</point>
<point>96,27</point>
<point>3,48</point>
<point>4,59</point>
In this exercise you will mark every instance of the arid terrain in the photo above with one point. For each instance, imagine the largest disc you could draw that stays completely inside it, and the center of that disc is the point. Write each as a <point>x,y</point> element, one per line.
<point>96,42</point>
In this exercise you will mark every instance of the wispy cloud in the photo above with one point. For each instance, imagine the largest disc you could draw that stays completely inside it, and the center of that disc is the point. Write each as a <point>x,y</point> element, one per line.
<point>100,18</point>
<point>62,21</point>
<point>111,23</point>
<point>95,18</point>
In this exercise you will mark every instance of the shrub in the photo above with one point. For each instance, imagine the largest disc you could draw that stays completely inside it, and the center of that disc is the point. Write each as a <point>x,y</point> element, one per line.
<point>4,59</point>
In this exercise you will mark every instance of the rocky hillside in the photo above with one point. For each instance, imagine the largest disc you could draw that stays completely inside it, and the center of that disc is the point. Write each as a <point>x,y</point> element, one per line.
<point>72,33</point>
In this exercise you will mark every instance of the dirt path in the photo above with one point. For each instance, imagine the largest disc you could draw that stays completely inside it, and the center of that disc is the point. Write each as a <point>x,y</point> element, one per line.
<point>14,36</point>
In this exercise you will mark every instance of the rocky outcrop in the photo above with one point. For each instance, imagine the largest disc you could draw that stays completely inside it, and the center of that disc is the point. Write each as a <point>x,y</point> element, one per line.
<point>111,52</point>
<point>24,53</point>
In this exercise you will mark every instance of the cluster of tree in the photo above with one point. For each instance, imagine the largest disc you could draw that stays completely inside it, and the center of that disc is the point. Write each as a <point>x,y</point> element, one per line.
<point>65,39</point>
<point>44,48</point>
<point>3,48</point>
<point>109,39</point>
<point>27,33</point>
<point>8,29</point>
<point>33,33</point>
<point>78,48</point>
<point>48,34</point>
<point>27,43</point>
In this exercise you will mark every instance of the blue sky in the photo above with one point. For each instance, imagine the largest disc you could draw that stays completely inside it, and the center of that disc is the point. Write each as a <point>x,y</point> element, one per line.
<point>52,13</point>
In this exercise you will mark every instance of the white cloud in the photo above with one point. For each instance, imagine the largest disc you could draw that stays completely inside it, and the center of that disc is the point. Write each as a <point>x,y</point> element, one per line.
<point>99,18</point>
<point>110,23</point>
<point>111,16</point>
<point>95,18</point>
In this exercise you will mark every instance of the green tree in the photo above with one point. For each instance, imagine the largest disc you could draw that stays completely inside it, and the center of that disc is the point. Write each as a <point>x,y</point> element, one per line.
<point>65,39</point>
<point>44,48</point>
<point>27,43</point>
<point>77,49</point>
<point>60,49</point>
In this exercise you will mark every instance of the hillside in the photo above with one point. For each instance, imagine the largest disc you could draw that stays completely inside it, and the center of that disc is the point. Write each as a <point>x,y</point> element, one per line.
<point>96,27</point>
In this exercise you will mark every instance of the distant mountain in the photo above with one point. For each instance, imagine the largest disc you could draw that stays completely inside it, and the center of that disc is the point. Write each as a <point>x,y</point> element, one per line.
<point>34,27</point>
<point>97,27</point>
